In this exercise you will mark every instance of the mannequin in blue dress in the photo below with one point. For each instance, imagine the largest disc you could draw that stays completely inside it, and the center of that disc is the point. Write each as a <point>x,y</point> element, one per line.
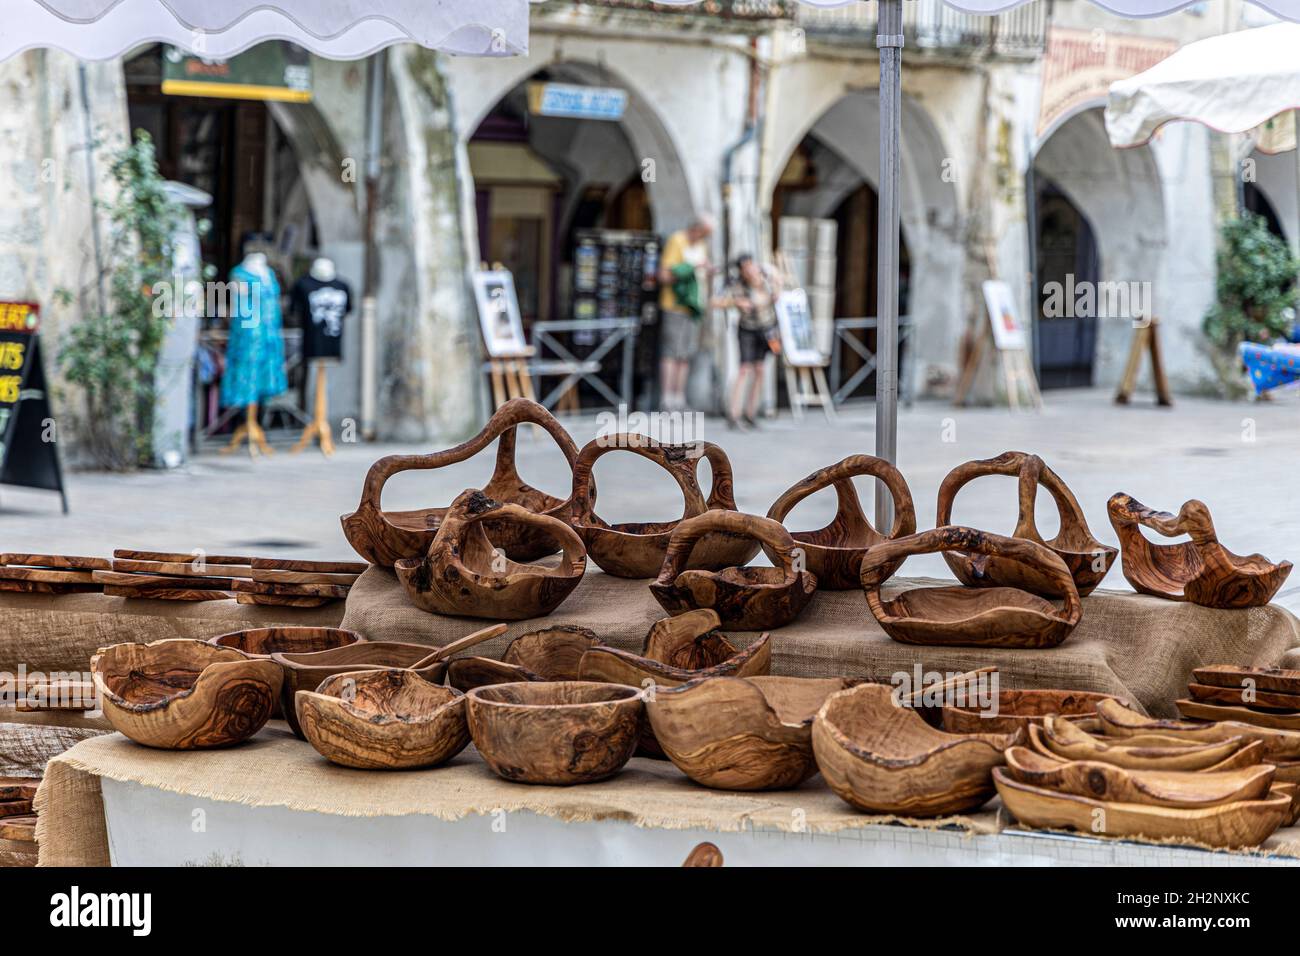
<point>254,352</point>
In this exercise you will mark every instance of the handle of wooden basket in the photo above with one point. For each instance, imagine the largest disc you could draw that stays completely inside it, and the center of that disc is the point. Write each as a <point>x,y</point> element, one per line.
<point>1009,464</point>
<point>841,476</point>
<point>677,460</point>
<point>1193,519</point>
<point>573,551</point>
<point>685,536</point>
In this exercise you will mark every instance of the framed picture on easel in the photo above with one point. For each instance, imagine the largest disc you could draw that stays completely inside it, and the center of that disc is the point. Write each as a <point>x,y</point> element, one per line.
<point>498,314</point>
<point>1008,332</point>
<point>798,343</point>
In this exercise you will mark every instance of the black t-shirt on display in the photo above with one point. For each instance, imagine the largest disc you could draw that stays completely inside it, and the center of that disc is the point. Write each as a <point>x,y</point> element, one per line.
<point>321,308</point>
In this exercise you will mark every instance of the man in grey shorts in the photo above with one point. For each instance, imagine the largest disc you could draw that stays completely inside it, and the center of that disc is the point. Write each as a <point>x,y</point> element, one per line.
<point>683,294</point>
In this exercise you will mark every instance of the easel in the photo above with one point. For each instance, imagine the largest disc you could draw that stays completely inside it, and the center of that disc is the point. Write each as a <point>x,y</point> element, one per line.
<point>251,429</point>
<point>1146,338</point>
<point>510,378</point>
<point>808,387</point>
<point>1015,368</point>
<point>319,426</point>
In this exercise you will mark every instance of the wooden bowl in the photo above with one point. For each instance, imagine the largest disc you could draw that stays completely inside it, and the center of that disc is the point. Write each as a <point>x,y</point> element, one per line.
<point>1121,721</point>
<point>466,576</point>
<point>741,733</point>
<point>185,694</point>
<point>265,641</point>
<point>1241,824</point>
<point>558,733</point>
<point>551,654</point>
<point>1200,570</point>
<point>1087,559</point>
<point>883,758</point>
<point>636,549</point>
<point>1017,709</point>
<point>745,598</point>
<point>834,553</point>
<point>1063,740</point>
<point>389,719</point>
<point>307,671</point>
<point>979,617</point>
<point>386,537</point>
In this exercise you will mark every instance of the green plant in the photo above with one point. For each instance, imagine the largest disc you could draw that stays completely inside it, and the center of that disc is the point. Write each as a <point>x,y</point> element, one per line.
<point>111,355</point>
<point>1256,286</point>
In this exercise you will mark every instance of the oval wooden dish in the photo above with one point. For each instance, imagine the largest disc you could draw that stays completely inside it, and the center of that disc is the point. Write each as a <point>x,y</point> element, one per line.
<point>185,694</point>
<point>1061,739</point>
<point>1017,709</point>
<point>961,616</point>
<point>834,553</point>
<point>464,574</point>
<point>551,654</point>
<point>265,641</point>
<point>1241,824</point>
<point>558,733</point>
<point>635,549</point>
<point>1120,721</point>
<point>1273,679</point>
<point>389,719</point>
<point>883,758</point>
<point>1087,559</point>
<point>386,537</point>
<point>742,733</point>
<point>745,598</point>
<point>1200,570</point>
<point>1248,701</point>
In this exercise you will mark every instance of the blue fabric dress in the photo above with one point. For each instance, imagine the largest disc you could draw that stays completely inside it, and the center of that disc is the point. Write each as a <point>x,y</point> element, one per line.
<point>255,352</point>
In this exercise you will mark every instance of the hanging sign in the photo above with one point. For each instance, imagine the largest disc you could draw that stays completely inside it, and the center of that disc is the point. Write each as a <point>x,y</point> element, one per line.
<point>1080,65</point>
<point>28,455</point>
<point>269,71</point>
<point>576,102</point>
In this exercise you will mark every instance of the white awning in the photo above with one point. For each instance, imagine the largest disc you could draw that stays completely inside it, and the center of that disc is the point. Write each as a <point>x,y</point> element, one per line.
<point>1134,9</point>
<point>1231,83</point>
<point>338,29</point>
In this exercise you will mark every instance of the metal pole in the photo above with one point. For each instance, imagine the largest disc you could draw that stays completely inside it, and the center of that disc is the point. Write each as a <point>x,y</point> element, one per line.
<point>376,70</point>
<point>889,42</point>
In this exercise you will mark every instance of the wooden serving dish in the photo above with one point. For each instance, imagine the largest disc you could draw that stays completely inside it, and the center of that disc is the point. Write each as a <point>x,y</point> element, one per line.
<point>745,598</point>
<point>386,537</point>
<point>465,575</point>
<point>1120,721</point>
<point>1017,709</point>
<point>389,719</point>
<point>1105,781</point>
<point>558,733</point>
<point>636,549</point>
<point>185,694</point>
<point>980,617</point>
<point>551,654</point>
<point>676,650</point>
<point>1241,824</point>
<point>742,733</point>
<point>265,641</point>
<point>883,758</point>
<point>1200,570</point>
<point>1087,559</point>
<point>834,553</point>
<point>1272,679</point>
<point>1250,698</point>
<point>1273,720</point>
<point>307,671</point>
<point>1062,740</point>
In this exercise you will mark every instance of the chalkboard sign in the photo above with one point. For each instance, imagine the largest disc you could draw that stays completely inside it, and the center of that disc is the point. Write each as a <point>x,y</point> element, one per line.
<point>28,455</point>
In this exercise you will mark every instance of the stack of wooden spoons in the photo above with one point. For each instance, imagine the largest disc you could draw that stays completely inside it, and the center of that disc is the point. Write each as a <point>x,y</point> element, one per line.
<point>1264,696</point>
<point>214,577</point>
<point>50,573</point>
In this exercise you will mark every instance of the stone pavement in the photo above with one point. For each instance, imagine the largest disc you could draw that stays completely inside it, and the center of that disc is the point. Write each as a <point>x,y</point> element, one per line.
<point>1243,460</point>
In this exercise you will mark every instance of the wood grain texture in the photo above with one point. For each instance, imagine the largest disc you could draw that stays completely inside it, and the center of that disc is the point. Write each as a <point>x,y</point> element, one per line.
<point>963,616</point>
<point>741,733</point>
<point>1279,743</point>
<point>636,549</point>
<point>883,758</point>
<point>1241,824</point>
<point>65,562</point>
<point>15,808</point>
<point>185,694</point>
<point>1275,720</point>
<point>45,587</point>
<point>704,855</point>
<point>1273,679</point>
<point>167,593</point>
<point>183,569</point>
<point>560,733</point>
<point>1060,739</point>
<point>465,575</point>
<point>300,566</point>
<point>46,575</point>
<point>744,598</point>
<point>306,671</point>
<point>162,582</point>
<point>390,719</point>
<point>275,600</point>
<point>1017,709</point>
<point>1201,570</point>
<point>834,553</point>
<point>178,557</point>
<point>18,788</point>
<point>1087,559</point>
<point>274,589</point>
<point>22,829</point>
<point>386,537</point>
<point>279,576</point>
<point>1250,698</point>
<point>551,654</point>
<point>286,639</point>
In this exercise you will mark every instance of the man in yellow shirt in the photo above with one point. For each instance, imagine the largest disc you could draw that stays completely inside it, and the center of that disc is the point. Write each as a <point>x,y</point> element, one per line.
<point>684,274</point>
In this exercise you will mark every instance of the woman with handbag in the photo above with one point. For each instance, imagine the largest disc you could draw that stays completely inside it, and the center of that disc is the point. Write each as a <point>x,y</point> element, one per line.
<point>753,295</point>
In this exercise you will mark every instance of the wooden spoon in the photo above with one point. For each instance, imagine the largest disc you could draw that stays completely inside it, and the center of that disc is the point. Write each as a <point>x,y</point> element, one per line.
<point>1113,784</point>
<point>947,685</point>
<point>469,640</point>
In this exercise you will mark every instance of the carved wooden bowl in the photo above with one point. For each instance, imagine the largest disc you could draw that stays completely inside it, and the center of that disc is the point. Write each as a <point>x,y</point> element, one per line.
<point>1119,721</point>
<point>1086,557</point>
<point>389,719</point>
<point>551,654</point>
<point>185,694</point>
<point>745,598</point>
<point>1200,570</point>
<point>307,671</point>
<point>558,733</point>
<point>1017,709</point>
<point>386,537</point>
<point>883,758</point>
<point>636,549</point>
<point>265,641</point>
<point>1066,741</point>
<point>980,617</point>
<point>464,575</point>
<point>834,553</point>
<point>742,733</point>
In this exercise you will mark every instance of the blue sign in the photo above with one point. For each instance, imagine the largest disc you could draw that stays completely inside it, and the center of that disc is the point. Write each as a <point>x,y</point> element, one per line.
<point>577,102</point>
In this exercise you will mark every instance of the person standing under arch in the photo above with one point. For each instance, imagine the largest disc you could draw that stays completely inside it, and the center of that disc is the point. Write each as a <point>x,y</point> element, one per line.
<point>684,274</point>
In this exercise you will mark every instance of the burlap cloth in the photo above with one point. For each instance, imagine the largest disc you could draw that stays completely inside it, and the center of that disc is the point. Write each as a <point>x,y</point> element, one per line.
<point>1138,647</point>
<point>277,770</point>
